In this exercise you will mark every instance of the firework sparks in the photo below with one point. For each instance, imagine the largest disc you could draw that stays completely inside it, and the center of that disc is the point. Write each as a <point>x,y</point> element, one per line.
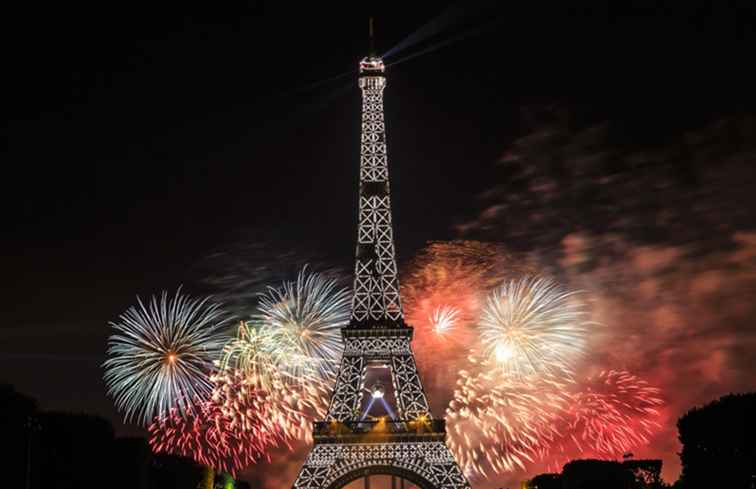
<point>532,326</point>
<point>498,424</point>
<point>161,354</point>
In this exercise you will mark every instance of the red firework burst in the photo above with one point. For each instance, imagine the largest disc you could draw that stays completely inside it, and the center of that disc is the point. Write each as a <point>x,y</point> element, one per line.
<point>237,426</point>
<point>613,413</point>
<point>208,437</point>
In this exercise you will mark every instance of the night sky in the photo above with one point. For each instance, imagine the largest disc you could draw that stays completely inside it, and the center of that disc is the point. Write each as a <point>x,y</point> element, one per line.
<point>145,140</point>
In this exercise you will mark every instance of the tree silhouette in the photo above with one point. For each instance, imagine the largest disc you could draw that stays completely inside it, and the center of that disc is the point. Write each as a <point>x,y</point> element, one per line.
<point>545,481</point>
<point>131,463</point>
<point>719,444</point>
<point>75,450</point>
<point>596,474</point>
<point>172,471</point>
<point>18,425</point>
<point>71,451</point>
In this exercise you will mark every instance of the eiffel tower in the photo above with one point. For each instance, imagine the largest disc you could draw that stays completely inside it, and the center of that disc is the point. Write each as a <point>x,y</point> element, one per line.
<point>409,443</point>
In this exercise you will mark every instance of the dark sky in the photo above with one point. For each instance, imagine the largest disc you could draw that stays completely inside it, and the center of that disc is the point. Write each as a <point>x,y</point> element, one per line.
<point>141,137</point>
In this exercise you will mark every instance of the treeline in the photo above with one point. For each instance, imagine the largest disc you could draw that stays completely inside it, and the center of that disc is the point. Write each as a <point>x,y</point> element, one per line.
<point>604,474</point>
<point>53,450</point>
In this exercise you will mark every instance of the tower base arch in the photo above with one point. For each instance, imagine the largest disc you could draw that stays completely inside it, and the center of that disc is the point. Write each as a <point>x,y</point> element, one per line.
<point>427,464</point>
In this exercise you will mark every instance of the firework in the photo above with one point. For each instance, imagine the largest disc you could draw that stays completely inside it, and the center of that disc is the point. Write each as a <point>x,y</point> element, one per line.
<point>612,413</point>
<point>253,352</point>
<point>531,326</point>
<point>443,291</point>
<point>239,424</point>
<point>280,409</point>
<point>255,380</point>
<point>304,319</point>
<point>283,362</point>
<point>441,297</point>
<point>444,319</point>
<point>207,436</point>
<point>161,354</point>
<point>499,424</point>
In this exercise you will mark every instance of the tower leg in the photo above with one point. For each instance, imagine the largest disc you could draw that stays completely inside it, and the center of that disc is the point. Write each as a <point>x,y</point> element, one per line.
<point>410,397</point>
<point>367,482</point>
<point>347,392</point>
<point>393,482</point>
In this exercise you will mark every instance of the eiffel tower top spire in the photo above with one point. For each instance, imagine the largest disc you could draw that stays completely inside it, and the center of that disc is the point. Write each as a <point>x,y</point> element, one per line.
<point>376,303</point>
<point>371,52</point>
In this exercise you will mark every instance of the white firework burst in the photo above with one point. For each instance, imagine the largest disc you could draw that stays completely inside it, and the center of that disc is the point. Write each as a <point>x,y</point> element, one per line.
<point>533,326</point>
<point>161,355</point>
<point>303,320</point>
<point>444,319</point>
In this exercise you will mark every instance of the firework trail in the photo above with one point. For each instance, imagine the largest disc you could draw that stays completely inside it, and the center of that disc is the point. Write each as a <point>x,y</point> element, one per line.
<point>531,326</point>
<point>161,355</point>
<point>241,272</point>
<point>499,424</point>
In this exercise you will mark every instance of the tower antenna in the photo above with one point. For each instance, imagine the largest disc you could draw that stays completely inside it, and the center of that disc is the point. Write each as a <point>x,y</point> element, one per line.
<point>372,39</point>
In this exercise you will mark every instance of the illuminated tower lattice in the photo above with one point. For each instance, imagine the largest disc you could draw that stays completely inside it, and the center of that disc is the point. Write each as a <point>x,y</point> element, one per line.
<point>411,443</point>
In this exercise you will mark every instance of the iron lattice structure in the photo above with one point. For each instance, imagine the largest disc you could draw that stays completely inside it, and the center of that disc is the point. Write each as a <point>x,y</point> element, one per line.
<point>346,446</point>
